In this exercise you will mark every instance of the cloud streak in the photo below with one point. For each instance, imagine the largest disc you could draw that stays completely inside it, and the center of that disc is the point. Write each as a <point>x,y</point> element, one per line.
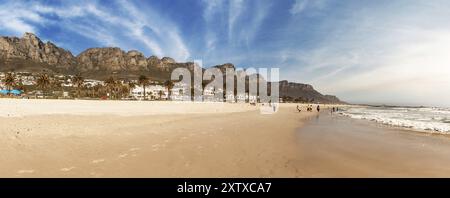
<point>93,21</point>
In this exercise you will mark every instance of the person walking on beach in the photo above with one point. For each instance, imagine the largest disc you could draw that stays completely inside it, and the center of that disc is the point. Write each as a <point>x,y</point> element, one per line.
<point>298,109</point>
<point>318,108</point>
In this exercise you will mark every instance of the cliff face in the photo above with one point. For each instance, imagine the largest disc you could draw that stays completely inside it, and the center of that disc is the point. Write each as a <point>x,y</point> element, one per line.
<point>304,93</point>
<point>31,48</point>
<point>111,59</point>
<point>29,53</point>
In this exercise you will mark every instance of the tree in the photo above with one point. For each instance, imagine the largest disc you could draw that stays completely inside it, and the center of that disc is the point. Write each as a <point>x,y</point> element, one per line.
<point>56,84</point>
<point>43,82</point>
<point>160,93</point>
<point>110,84</point>
<point>19,85</point>
<point>9,81</point>
<point>124,90</point>
<point>169,84</point>
<point>143,81</point>
<point>131,85</point>
<point>96,90</point>
<point>78,81</point>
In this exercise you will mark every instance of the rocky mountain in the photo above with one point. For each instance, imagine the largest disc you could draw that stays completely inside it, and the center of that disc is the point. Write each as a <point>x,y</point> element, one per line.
<point>293,91</point>
<point>31,48</point>
<point>29,53</point>
<point>304,93</point>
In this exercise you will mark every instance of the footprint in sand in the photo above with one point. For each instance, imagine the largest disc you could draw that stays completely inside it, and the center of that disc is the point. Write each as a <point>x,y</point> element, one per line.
<point>122,155</point>
<point>25,171</point>
<point>134,149</point>
<point>67,169</point>
<point>97,161</point>
<point>95,174</point>
<point>156,147</point>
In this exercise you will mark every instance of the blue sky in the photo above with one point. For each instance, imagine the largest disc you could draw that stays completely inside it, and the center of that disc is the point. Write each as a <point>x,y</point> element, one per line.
<point>394,52</point>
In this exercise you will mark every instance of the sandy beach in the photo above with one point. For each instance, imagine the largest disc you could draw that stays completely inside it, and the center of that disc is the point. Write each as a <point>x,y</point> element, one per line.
<point>69,138</point>
<point>44,138</point>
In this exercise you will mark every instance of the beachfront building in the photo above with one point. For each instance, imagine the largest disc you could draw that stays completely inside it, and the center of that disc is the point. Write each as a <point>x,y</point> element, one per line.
<point>152,92</point>
<point>93,83</point>
<point>25,78</point>
<point>180,92</point>
<point>237,98</point>
<point>210,92</point>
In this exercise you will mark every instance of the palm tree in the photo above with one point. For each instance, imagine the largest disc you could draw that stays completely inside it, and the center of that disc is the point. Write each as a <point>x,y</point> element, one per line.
<point>131,85</point>
<point>110,84</point>
<point>43,82</point>
<point>55,83</point>
<point>169,84</point>
<point>9,81</point>
<point>78,81</point>
<point>124,90</point>
<point>143,81</point>
<point>19,85</point>
<point>96,89</point>
<point>160,94</point>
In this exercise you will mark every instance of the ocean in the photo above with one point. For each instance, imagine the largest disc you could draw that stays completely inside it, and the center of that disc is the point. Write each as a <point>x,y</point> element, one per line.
<point>423,119</point>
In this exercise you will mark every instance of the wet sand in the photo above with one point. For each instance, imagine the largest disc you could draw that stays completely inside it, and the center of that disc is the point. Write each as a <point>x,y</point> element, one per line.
<point>337,146</point>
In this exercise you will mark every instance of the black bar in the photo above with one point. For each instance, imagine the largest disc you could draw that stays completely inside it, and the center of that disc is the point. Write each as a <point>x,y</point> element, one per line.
<point>227,186</point>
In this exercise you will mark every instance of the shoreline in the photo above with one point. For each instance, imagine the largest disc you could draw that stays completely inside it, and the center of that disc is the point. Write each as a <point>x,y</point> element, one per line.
<point>360,148</point>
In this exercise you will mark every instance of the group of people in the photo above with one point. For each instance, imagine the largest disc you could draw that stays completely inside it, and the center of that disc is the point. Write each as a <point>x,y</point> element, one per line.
<point>309,108</point>
<point>334,109</point>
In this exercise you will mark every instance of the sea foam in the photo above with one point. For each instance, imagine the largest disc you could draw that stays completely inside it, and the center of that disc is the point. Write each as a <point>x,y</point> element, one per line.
<point>425,119</point>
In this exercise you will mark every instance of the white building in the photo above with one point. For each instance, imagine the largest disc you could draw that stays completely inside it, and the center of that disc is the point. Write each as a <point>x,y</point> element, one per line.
<point>180,92</point>
<point>209,94</point>
<point>152,92</point>
<point>92,83</point>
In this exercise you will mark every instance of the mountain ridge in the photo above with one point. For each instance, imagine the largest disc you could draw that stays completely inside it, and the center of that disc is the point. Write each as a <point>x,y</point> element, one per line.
<point>30,53</point>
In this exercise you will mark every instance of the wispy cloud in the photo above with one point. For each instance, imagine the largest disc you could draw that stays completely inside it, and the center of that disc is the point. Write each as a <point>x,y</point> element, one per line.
<point>300,5</point>
<point>234,11</point>
<point>210,14</point>
<point>233,25</point>
<point>17,20</point>
<point>261,10</point>
<point>379,55</point>
<point>101,24</point>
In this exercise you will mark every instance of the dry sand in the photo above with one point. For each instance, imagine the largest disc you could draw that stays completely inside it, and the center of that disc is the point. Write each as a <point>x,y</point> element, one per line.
<point>57,138</point>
